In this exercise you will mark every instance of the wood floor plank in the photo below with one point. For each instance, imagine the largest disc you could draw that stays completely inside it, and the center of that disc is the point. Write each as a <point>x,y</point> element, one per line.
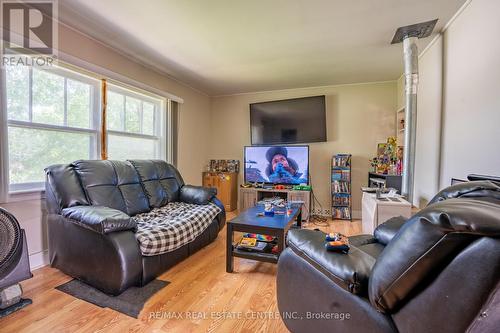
<point>205,297</point>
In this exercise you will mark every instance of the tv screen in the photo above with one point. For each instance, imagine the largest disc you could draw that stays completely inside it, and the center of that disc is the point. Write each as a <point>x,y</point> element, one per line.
<point>287,165</point>
<point>298,120</point>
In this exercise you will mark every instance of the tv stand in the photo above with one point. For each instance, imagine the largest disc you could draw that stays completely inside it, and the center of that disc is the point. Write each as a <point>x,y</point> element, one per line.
<point>249,196</point>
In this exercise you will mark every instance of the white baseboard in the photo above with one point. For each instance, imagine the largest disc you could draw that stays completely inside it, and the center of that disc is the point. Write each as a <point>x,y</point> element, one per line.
<point>39,259</point>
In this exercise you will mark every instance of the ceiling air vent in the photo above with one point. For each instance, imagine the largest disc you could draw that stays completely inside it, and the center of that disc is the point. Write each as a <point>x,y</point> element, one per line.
<point>419,30</point>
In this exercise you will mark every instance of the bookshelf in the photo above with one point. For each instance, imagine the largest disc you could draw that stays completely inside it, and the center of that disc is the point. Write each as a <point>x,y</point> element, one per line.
<point>341,187</point>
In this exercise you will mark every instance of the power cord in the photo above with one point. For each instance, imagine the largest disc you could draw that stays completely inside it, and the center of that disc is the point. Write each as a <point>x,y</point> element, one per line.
<point>317,219</point>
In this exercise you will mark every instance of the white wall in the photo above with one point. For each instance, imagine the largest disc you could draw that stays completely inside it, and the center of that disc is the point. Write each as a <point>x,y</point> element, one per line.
<point>427,152</point>
<point>358,117</point>
<point>458,101</point>
<point>471,105</point>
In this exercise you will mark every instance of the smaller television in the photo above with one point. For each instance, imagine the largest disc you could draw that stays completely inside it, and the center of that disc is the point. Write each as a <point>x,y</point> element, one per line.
<point>284,165</point>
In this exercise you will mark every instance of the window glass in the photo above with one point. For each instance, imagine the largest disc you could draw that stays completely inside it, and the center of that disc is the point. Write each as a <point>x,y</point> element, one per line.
<point>53,117</point>
<point>115,111</point>
<point>32,150</point>
<point>48,98</point>
<point>78,104</point>
<point>139,134</point>
<point>17,85</point>
<point>42,130</point>
<point>148,118</point>
<point>124,147</point>
<point>132,115</point>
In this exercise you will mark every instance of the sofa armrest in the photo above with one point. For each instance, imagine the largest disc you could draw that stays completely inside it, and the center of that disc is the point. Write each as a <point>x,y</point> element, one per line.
<point>386,231</point>
<point>103,220</point>
<point>221,217</point>
<point>197,194</point>
<point>349,271</point>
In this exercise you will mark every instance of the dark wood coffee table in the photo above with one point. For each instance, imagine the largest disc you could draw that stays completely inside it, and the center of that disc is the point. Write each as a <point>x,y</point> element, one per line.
<point>248,221</point>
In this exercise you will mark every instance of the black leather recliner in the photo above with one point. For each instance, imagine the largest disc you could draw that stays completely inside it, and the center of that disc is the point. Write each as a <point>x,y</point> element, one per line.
<point>91,234</point>
<point>438,271</point>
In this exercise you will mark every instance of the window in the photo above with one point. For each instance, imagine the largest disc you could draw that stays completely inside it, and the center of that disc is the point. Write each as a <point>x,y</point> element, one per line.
<point>134,124</point>
<point>51,119</point>
<point>54,117</point>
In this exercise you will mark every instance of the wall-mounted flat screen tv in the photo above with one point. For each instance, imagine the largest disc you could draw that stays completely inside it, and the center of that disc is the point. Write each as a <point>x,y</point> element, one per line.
<point>297,120</point>
<point>287,165</point>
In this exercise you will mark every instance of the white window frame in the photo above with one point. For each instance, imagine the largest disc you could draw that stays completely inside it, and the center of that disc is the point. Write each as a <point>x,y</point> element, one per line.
<point>160,116</point>
<point>93,74</point>
<point>94,130</point>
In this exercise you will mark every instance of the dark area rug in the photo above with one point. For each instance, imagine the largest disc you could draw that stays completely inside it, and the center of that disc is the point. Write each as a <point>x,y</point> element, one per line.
<point>130,302</point>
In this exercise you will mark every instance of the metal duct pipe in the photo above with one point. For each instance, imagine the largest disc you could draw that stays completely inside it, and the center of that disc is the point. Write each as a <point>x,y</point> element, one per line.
<point>409,35</point>
<point>410,60</point>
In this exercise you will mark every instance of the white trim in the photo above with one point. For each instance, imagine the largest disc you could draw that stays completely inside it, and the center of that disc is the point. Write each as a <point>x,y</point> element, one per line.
<point>28,187</point>
<point>4,147</point>
<point>134,135</point>
<point>49,127</point>
<point>168,144</point>
<point>124,89</point>
<point>446,26</point>
<point>19,196</point>
<point>304,88</point>
<point>113,77</point>
<point>39,259</point>
<point>457,14</point>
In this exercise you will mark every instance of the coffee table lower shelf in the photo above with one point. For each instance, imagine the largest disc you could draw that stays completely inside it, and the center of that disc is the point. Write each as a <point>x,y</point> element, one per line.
<point>260,256</point>
<point>251,221</point>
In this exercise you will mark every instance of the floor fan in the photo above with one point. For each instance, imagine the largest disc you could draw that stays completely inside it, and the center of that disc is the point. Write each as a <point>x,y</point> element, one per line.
<point>14,264</point>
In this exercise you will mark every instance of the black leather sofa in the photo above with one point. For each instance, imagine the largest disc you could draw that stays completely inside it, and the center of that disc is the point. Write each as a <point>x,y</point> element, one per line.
<point>90,229</point>
<point>438,271</point>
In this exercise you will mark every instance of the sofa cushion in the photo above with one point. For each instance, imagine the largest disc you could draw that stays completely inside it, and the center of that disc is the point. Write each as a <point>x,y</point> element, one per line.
<point>349,271</point>
<point>160,179</point>
<point>167,228</point>
<point>113,184</point>
<point>65,186</point>
<point>425,245</point>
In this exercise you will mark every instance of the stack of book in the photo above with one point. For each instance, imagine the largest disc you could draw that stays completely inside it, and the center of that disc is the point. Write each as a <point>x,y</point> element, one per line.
<point>341,175</point>
<point>341,160</point>
<point>256,243</point>
<point>340,187</point>
<point>343,213</point>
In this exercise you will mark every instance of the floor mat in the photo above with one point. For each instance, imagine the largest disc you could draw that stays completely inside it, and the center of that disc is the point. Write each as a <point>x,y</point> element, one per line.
<point>130,302</point>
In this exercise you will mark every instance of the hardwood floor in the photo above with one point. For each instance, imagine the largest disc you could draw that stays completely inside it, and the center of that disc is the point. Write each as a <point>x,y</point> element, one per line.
<point>201,297</point>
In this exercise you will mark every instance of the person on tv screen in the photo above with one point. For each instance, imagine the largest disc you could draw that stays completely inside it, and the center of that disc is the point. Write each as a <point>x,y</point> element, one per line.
<point>282,169</point>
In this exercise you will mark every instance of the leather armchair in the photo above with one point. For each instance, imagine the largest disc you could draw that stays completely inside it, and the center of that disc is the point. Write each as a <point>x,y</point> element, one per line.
<point>437,271</point>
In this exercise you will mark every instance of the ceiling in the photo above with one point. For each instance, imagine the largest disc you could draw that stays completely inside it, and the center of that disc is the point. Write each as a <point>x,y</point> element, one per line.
<point>235,46</point>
